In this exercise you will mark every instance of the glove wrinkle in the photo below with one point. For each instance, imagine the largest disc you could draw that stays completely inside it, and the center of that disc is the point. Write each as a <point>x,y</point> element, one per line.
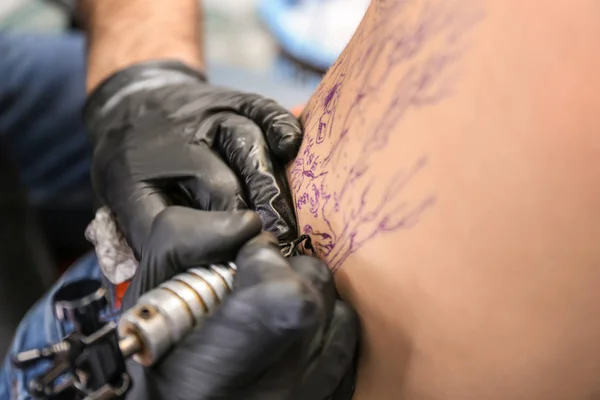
<point>172,132</point>
<point>236,142</point>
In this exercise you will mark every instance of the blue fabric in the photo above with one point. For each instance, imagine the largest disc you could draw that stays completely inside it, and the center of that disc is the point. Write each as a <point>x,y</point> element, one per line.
<point>42,92</point>
<point>298,46</point>
<point>40,328</point>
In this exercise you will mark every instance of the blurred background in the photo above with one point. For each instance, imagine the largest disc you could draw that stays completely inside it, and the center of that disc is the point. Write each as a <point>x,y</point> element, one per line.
<point>278,48</point>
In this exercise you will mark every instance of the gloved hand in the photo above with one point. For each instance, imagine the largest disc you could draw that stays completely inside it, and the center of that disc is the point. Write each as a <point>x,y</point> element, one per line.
<point>163,136</point>
<point>282,334</point>
<point>182,238</point>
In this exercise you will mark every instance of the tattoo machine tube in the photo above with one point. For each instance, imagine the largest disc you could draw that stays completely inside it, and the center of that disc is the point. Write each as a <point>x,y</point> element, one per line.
<point>163,316</point>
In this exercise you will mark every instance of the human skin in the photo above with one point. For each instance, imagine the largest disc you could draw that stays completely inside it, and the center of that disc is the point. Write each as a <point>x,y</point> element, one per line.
<point>450,177</point>
<point>123,33</point>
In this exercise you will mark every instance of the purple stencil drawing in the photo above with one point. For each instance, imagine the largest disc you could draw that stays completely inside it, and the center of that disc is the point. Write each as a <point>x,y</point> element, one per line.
<point>418,54</point>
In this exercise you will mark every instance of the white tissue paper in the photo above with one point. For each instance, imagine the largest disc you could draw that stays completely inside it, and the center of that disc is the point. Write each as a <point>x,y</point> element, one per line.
<point>115,257</point>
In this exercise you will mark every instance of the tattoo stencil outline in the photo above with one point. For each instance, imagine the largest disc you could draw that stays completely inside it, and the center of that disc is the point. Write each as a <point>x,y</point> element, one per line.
<point>421,52</point>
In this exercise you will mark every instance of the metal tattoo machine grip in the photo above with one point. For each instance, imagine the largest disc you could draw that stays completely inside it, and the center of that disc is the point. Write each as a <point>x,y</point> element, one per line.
<point>90,362</point>
<point>163,316</point>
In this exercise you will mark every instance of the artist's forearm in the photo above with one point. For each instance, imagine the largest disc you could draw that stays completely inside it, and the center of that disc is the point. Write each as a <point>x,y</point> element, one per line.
<point>122,33</point>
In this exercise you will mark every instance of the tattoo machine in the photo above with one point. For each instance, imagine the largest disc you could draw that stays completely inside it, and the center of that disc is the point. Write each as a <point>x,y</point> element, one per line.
<point>89,363</point>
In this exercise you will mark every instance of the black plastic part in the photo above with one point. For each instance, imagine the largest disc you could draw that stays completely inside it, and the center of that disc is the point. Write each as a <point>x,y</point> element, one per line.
<point>103,363</point>
<point>90,356</point>
<point>81,303</point>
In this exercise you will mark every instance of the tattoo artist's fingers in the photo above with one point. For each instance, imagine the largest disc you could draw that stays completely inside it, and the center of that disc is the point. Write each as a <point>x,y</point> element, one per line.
<point>260,261</point>
<point>182,238</point>
<point>253,330</point>
<point>134,203</point>
<point>317,275</point>
<point>213,186</point>
<point>281,128</point>
<point>243,145</point>
<point>135,216</point>
<point>337,354</point>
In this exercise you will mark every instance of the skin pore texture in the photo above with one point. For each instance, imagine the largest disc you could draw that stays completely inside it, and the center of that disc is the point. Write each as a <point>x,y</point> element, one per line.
<point>450,177</point>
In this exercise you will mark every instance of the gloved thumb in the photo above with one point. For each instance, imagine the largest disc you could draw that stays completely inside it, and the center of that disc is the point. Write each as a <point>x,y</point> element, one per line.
<point>182,238</point>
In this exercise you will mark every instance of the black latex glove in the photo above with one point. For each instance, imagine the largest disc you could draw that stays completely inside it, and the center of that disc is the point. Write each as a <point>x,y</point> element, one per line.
<point>182,238</point>
<point>282,334</point>
<point>164,136</point>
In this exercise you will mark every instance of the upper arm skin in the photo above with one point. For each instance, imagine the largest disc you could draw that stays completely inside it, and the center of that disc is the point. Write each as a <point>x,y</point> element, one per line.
<point>450,176</point>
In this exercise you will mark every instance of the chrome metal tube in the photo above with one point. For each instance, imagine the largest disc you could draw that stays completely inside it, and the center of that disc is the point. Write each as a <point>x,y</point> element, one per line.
<point>163,316</point>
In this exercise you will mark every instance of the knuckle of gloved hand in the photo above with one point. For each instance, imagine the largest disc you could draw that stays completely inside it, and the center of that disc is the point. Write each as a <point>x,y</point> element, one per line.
<point>234,224</point>
<point>224,191</point>
<point>290,305</point>
<point>166,222</point>
<point>312,270</point>
<point>248,137</point>
<point>288,137</point>
<point>259,263</point>
<point>265,240</point>
<point>246,148</point>
<point>345,318</point>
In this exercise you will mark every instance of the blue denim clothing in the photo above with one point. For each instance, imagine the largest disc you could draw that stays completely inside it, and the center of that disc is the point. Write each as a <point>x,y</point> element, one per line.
<point>40,328</point>
<point>42,92</point>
